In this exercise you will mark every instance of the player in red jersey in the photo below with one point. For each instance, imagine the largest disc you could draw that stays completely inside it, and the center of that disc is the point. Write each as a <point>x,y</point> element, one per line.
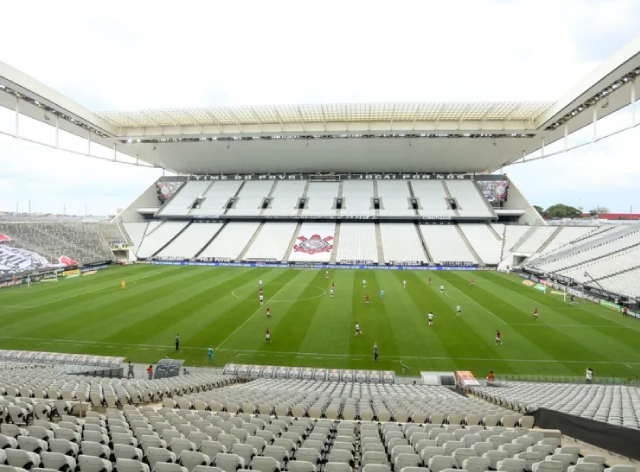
<point>333,285</point>
<point>535,313</point>
<point>498,340</point>
<point>268,336</point>
<point>366,299</point>
<point>429,280</point>
<point>268,312</point>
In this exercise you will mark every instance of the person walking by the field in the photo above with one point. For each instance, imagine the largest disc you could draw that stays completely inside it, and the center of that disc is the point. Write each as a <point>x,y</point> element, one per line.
<point>431,317</point>
<point>458,310</point>
<point>268,312</point>
<point>177,342</point>
<point>268,336</point>
<point>535,313</point>
<point>358,331</point>
<point>498,338</point>
<point>491,378</point>
<point>130,370</point>
<point>589,375</point>
<point>375,351</point>
<point>150,372</point>
<point>210,354</point>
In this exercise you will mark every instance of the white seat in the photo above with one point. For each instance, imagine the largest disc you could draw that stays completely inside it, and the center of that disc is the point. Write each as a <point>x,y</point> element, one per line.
<point>191,459</point>
<point>229,462</point>
<point>23,459</point>
<point>476,464</point>
<point>585,467</point>
<point>93,464</point>
<point>91,448</point>
<point>308,454</point>
<point>529,457</point>
<point>406,460</point>
<point>565,459</point>
<point>157,455</point>
<point>265,464</point>
<point>131,465</point>
<point>203,468</point>
<point>301,466</point>
<point>462,454</point>
<point>548,466</point>
<point>125,451</point>
<point>246,451</point>
<point>495,457</point>
<point>376,468</point>
<point>212,448</point>
<point>58,461</point>
<point>64,447</point>
<point>8,468</point>
<point>27,443</point>
<point>337,467</point>
<point>169,467</point>
<point>277,452</point>
<point>440,463</point>
<point>177,445</point>
<point>512,465</point>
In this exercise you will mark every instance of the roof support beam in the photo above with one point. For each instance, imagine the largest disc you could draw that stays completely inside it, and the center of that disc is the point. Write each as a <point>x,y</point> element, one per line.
<point>633,102</point>
<point>415,117</point>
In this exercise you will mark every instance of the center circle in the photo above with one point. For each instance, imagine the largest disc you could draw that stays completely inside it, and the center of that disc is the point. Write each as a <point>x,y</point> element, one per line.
<point>279,286</point>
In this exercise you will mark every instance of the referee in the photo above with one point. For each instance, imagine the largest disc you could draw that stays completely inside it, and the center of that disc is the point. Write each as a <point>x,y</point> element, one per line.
<point>375,351</point>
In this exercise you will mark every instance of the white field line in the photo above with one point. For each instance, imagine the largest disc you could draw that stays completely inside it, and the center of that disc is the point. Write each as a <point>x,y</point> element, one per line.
<point>254,314</point>
<point>309,354</point>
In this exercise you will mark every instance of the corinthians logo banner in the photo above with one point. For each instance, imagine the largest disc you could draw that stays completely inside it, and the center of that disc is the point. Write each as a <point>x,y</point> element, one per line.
<point>314,245</point>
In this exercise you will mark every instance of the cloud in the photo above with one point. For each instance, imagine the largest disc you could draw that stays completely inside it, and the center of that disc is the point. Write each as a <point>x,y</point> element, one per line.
<point>144,54</point>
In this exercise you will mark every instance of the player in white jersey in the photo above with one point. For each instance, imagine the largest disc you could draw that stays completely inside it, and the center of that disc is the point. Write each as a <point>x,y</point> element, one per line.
<point>260,284</point>
<point>431,317</point>
<point>261,297</point>
<point>326,274</point>
<point>404,283</point>
<point>268,312</point>
<point>331,292</point>
<point>364,283</point>
<point>358,331</point>
<point>458,310</point>
<point>441,289</point>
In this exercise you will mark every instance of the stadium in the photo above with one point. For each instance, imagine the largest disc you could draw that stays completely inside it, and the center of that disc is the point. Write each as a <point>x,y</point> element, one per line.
<point>324,287</point>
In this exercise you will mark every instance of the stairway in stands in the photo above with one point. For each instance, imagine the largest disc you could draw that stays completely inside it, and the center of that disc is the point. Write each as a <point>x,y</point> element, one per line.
<point>253,238</point>
<point>336,240</point>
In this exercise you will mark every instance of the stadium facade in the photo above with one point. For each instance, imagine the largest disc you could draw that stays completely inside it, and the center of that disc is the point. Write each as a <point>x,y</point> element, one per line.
<point>382,184</point>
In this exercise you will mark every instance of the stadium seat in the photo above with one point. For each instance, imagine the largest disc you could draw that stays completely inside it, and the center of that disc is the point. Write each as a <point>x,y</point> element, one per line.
<point>58,461</point>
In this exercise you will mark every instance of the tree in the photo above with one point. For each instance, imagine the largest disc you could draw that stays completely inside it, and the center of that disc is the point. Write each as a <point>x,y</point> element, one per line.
<point>540,210</point>
<point>560,210</point>
<point>597,211</point>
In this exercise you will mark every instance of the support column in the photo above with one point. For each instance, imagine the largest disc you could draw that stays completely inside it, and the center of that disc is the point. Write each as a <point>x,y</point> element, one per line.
<point>633,102</point>
<point>566,137</point>
<point>595,123</point>
<point>57,132</point>
<point>542,146</point>
<point>17,117</point>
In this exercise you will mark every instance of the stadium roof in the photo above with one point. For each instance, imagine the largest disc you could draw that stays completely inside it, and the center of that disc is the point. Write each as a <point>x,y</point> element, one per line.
<point>329,113</point>
<point>357,137</point>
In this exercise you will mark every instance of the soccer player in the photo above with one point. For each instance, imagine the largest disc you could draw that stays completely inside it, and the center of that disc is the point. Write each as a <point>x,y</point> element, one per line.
<point>589,375</point>
<point>625,310</point>
<point>375,351</point>
<point>268,336</point>
<point>535,313</point>
<point>333,285</point>
<point>458,310</point>
<point>472,281</point>
<point>123,284</point>
<point>366,300</point>
<point>404,283</point>
<point>430,281</point>
<point>268,312</point>
<point>364,283</point>
<point>441,289</point>
<point>261,298</point>
<point>331,292</point>
<point>260,291</point>
<point>382,294</point>
<point>326,274</point>
<point>431,317</point>
<point>358,331</point>
<point>210,353</point>
<point>260,284</point>
<point>177,342</point>
<point>498,339</point>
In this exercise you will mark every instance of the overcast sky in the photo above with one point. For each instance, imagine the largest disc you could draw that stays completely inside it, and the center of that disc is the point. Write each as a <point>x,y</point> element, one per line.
<point>130,55</point>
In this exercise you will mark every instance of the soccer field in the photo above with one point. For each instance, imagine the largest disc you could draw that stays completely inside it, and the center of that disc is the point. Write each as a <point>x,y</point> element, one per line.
<point>219,307</point>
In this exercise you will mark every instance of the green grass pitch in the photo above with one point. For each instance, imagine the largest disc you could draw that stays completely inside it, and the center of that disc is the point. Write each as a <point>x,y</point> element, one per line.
<point>219,307</point>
